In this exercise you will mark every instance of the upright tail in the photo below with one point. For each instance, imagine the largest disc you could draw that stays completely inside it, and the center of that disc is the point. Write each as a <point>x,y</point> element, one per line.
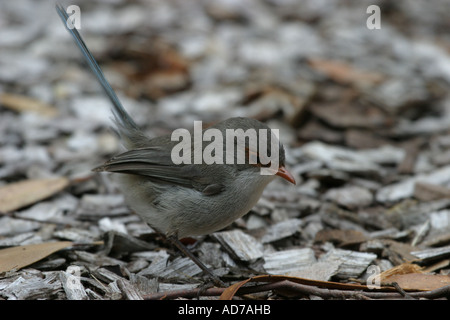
<point>127,129</point>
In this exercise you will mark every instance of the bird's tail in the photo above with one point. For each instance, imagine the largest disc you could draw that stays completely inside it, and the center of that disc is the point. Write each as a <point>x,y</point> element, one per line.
<point>127,129</point>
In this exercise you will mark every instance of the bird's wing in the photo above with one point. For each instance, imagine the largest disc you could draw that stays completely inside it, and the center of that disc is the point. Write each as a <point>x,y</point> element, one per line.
<point>156,163</point>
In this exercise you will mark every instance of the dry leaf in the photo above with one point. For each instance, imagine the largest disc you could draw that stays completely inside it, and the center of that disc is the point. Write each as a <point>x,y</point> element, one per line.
<point>411,277</point>
<point>229,292</point>
<point>18,257</point>
<point>420,281</point>
<point>403,268</point>
<point>344,73</point>
<point>22,103</point>
<point>20,194</point>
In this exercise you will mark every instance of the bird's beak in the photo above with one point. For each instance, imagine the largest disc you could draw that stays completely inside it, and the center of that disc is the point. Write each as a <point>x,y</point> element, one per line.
<point>282,172</point>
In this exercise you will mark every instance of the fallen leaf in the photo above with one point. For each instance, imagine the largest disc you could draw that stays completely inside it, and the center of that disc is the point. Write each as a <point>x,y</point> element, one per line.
<point>229,292</point>
<point>411,277</point>
<point>20,194</point>
<point>403,268</point>
<point>345,73</point>
<point>22,103</point>
<point>419,281</point>
<point>398,252</point>
<point>15,258</point>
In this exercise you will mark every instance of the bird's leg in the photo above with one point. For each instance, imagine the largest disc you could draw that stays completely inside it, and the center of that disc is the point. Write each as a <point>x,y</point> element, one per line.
<point>176,242</point>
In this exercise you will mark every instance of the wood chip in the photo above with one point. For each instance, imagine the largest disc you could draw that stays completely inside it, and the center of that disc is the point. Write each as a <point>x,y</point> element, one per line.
<point>129,291</point>
<point>352,263</point>
<point>118,244</point>
<point>433,253</point>
<point>410,212</point>
<point>398,252</point>
<point>240,245</point>
<point>282,230</point>
<point>352,197</point>
<point>105,275</point>
<point>405,188</point>
<point>343,159</point>
<point>143,284</point>
<point>114,292</point>
<point>180,268</point>
<point>95,259</point>
<point>340,237</point>
<point>427,191</point>
<point>159,262</point>
<point>77,235</point>
<point>288,261</point>
<point>71,284</point>
<point>322,271</point>
<point>32,286</point>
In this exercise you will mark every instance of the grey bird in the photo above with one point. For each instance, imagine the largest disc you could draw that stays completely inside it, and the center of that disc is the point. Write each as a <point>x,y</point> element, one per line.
<point>187,199</point>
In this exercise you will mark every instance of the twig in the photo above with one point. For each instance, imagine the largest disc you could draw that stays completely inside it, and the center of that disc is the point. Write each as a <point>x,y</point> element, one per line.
<point>297,289</point>
<point>187,293</point>
<point>401,291</point>
<point>442,292</point>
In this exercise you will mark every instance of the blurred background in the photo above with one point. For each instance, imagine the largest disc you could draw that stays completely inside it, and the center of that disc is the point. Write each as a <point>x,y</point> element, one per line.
<point>363,113</point>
